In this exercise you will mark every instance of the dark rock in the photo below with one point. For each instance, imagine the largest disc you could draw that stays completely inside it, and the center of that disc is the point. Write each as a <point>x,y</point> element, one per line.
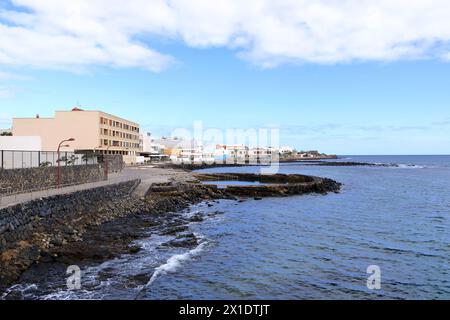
<point>183,241</point>
<point>174,230</point>
<point>134,249</point>
<point>138,280</point>
<point>196,218</point>
<point>215,213</point>
<point>57,241</point>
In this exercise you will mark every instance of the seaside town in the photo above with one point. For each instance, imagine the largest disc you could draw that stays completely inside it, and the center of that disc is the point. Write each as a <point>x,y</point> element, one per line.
<point>106,134</point>
<point>220,159</point>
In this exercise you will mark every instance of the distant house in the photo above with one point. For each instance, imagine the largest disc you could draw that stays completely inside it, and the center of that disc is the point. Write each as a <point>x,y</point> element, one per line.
<point>263,155</point>
<point>286,150</point>
<point>152,150</point>
<point>174,146</point>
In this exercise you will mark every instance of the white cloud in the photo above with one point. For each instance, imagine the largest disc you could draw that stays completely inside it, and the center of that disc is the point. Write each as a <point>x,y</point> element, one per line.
<point>82,33</point>
<point>77,34</point>
<point>9,91</point>
<point>10,76</point>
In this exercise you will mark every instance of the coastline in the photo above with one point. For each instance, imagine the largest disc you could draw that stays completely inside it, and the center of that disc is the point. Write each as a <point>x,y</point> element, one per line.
<point>110,231</point>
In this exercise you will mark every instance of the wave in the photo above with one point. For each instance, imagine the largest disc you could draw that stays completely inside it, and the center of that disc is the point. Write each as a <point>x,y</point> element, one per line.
<point>175,262</point>
<point>23,289</point>
<point>399,165</point>
<point>409,166</point>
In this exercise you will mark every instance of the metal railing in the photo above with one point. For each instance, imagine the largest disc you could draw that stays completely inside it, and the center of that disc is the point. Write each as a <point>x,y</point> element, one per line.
<point>25,171</point>
<point>10,159</point>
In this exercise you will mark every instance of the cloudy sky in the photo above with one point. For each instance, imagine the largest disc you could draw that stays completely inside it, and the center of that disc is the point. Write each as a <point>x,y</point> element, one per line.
<point>342,76</point>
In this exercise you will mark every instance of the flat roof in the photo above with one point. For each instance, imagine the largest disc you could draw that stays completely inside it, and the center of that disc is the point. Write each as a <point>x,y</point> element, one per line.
<point>99,111</point>
<point>60,111</point>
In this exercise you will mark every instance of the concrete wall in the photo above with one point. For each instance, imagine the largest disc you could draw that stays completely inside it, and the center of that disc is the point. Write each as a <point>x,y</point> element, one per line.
<point>34,179</point>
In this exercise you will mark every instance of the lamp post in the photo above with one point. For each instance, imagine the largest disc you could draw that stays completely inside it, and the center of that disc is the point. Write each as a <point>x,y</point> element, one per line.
<point>128,154</point>
<point>105,159</point>
<point>58,177</point>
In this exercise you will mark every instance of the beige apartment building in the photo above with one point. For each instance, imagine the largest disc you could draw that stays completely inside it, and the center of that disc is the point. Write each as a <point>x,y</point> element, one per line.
<point>92,130</point>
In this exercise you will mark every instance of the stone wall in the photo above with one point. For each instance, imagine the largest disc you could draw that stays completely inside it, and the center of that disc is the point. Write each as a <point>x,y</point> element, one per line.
<point>33,179</point>
<point>114,162</point>
<point>18,222</point>
<point>78,225</point>
<point>28,229</point>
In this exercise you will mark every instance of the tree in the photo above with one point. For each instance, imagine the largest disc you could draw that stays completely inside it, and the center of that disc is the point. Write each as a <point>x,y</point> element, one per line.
<point>6,133</point>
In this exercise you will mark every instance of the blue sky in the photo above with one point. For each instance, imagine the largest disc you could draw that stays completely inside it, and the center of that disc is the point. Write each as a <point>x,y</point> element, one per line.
<point>355,106</point>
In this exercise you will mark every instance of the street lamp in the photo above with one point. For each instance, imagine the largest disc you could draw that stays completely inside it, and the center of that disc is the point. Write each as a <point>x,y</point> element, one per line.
<point>106,162</point>
<point>59,159</point>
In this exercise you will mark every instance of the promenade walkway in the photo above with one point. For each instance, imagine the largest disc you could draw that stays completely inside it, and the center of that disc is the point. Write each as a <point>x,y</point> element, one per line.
<point>148,176</point>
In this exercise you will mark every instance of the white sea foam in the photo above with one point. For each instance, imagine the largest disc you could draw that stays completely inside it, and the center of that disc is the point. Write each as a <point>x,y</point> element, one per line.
<point>24,289</point>
<point>175,262</point>
<point>409,166</point>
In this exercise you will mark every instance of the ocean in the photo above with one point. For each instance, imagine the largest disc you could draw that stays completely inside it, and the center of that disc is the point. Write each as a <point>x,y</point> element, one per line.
<point>303,247</point>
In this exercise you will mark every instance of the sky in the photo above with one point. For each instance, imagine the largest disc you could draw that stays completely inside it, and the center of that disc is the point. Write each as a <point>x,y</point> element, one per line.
<point>344,77</point>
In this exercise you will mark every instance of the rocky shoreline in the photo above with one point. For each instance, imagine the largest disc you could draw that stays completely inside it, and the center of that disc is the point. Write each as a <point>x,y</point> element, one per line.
<point>349,164</point>
<point>312,162</point>
<point>107,229</point>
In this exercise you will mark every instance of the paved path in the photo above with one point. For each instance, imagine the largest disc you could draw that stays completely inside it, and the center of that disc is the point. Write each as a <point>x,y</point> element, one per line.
<point>148,175</point>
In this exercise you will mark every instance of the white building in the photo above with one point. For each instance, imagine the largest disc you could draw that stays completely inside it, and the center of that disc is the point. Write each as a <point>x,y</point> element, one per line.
<point>149,146</point>
<point>286,150</point>
<point>23,152</point>
<point>263,155</point>
<point>151,151</point>
<point>173,146</point>
<point>190,155</point>
<point>12,143</point>
<point>230,153</point>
